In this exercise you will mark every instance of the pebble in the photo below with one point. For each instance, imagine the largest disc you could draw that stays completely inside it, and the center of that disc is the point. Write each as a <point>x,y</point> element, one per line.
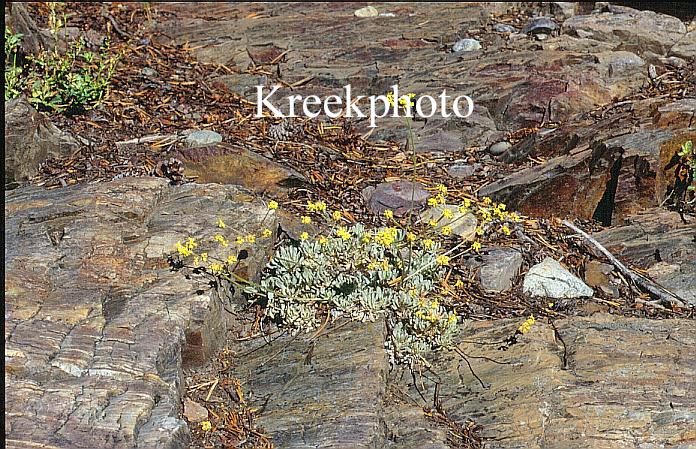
<point>466,45</point>
<point>499,148</point>
<point>462,225</point>
<point>549,279</point>
<point>462,171</point>
<point>368,11</point>
<point>504,28</point>
<point>194,412</point>
<point>202,138</point>
<point>148,72</point>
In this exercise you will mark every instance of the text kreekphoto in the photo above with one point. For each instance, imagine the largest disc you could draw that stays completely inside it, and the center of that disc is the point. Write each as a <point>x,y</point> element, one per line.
<point>334,106</point>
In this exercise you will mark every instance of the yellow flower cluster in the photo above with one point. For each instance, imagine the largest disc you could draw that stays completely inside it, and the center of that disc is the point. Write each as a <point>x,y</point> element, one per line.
<point>187,248</point>
<point>442,260</point>
<point>319,206</point>
<point>527,325</point>
<point>403,101</point>
<point>206,426</point>
<point>386,236</point>
<point>341,232</point>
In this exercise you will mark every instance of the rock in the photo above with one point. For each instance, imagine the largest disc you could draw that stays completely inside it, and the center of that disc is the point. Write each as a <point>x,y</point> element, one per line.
<point>149,72</point>
<point>556,385</point>
<point>597,273</point>
<point>30,138</point>
<point>368,11</point>
<point>463,225</point>
<point>504,28</point>
<point>194,412</point>
<point>685,47</point>
<point>637,31</point>
<point>98,328</point>
<point>680,279</point>
<point>466,45</point>
<point>563,10</point>
<point>462,171</point>
<point>397,196</point>
<point>234,164</point>
<point>549,279</point>
<point>499,148</point>
<point>620,62</point>
<point>541,36</point>
<point>536,25</point>
<point>202,138</point>
<point>499,269</point>
<point>320,393</point>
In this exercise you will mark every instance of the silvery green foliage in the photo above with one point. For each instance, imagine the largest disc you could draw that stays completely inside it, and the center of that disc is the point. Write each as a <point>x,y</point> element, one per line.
<point>369,276</point>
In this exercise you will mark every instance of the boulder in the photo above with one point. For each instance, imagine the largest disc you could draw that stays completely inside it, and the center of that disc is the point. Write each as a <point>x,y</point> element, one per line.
<point>397,196</point>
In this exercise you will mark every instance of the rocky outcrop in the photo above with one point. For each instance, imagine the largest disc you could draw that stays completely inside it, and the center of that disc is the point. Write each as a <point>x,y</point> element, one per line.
<point>30,138</point>
<point>97,326</point>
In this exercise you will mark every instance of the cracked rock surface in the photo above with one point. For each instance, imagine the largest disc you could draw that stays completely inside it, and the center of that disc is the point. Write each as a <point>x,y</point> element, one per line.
<point>97,326</point>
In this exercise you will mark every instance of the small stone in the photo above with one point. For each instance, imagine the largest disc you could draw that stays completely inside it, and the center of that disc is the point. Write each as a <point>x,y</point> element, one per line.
<point>462,171</point>
<point>462,225</point>
<point>499,148</point>
<point>202,138</point>
<point>194,412</point>
<point>499,269</point>
<point>368,11</point>
<point>597,273</point>
<point>541,36</point>
<point>466,45</point>
<point>397,196</point>
<point>504,28</point>
<point>549,279</point>
<point>148,72</point>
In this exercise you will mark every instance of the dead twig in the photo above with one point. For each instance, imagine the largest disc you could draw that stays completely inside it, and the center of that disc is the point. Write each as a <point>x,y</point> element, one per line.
<point>651,287</point>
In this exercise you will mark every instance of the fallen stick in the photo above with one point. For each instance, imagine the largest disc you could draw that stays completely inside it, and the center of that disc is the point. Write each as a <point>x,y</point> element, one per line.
<point>147,139</point>
<point>651,287</point>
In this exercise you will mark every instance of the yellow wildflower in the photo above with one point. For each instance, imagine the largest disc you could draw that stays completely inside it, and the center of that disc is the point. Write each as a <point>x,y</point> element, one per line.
<point>441,189</point>
<point>372,265</point>
<point>251,238</point>
<point>196,261</point>
<point>476,246</point>
<point>304,236</point>
<point>336,215</point>
<point>527,325</point>
<point>428,243</point>
<point>341,232</point>
<point>365,238</point>
<point>181,249</point>
<point>216,268</point>
<point>447,213</point>
<point>442,260</point>
<point>440,199</point>
<point>479,230</point>
<point>433,223</point>
<point>239,240</point>
<point>267,233</point>
<point>446,230</point>
<point>206,426</point>
<point>459,284</point>
<point>466,203</point>
<point>514,217</point>
<point>312,207</point>
<point>305,219</point>
<point>463,210</point>
<point>452,319</point>
<point>505,230</point>
<point>385,264</point>
<point>191,243</point>
<point>272,205</point>
<point>411,237</point>
<point>388,214</point>
<point>231,259</point>
<point>219,238</point>
<point>501,206</point>
<point>320,205</point>
<point>221,224</point>
<point>204,257</point>
<point>323,240</point>
<point>432,202</point>
<point>486,200</point>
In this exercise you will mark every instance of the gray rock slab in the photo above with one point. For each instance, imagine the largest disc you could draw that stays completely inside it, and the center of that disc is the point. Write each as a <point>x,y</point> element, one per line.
<point>549,279</point>
<point>97,327</point>
<point>549,385</point>
<point>323,392</point>
<point>462,225</point>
